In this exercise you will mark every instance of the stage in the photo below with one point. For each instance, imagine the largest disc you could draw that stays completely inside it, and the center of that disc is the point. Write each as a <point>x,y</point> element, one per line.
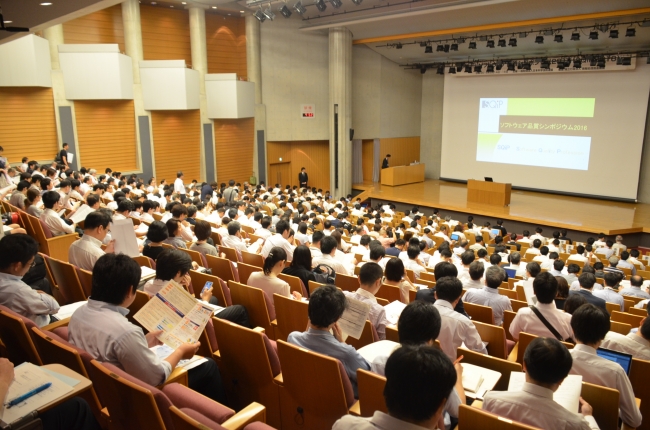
<point>547,210</point>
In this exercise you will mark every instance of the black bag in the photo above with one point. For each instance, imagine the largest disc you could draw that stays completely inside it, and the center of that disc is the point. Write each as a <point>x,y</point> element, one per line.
<point>36,277</point>
<point>324,274</point>
<point>58,158</point>
<point>550,327</point>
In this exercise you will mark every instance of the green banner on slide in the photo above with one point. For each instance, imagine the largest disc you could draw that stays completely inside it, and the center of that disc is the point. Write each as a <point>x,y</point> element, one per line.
<point>486,144</point>
<point>552,107</point>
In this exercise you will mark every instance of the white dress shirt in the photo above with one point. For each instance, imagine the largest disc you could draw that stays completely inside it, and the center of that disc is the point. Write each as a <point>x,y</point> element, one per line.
<point>331,262</point>
<point>472,284</point>
<point>600,371</point>
<point>455,330</point>
<point>277,240</point>
<point>102,330</point>
<point>22,299</point>
<point>379,421</point>
<point>263,233</point>
<point>634,292</point>
<point>415,267</point>
<point>53,221</point>
<point>85,252</point>
<point>528,322</point>
<point>377,314</point>
<point>179,187</point>
<point>633,344</point>
<point>534,405</point>
<point>489,297</point>
<point>611,296</point>
<point>315,253</point>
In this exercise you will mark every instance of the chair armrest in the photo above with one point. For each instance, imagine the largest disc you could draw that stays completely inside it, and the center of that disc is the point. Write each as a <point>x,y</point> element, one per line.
<point>478,404</point>
<point>260,329</point>
<point>183,397</point>
<point>251,413</point>
<point>52,326</point>
<point>105,419</point>
<point>355,409</point>
<point>279,379</point>
<point>513,354</point>
<point>178,375</point>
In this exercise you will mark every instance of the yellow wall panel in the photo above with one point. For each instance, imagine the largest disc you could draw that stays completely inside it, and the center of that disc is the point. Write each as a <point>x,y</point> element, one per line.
<point>165,34</point>
<point>177,144</point>
<point>226,43</point>
<point>234,148</point>
<point>104,26</point>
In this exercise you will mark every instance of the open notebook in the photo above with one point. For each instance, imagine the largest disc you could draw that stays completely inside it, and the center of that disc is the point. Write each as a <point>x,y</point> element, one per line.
<point>478,380</point>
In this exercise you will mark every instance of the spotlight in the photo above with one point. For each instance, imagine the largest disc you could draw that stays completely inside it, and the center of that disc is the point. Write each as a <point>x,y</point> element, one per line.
<point>630,32</point>
<point>613,34</point>
<point>490,68</point>
<point>441,70</point>
<point>577,63</point>
<point>336,3</point>
<point>260,15</point>
<point>298,7</point>
<point>423,70</point>
<point>499,65</point>
<point>619,61</point>
<point>512,42</point>
<point>446,48</point>
<point>320,5</point>
<point>502,43</point>
<point>545,64</point>
<point>490,43</point>
<point>428,50</point>
<point>520,66</point>
<point>575,36</point>
<point>452,70</point>
<point>560,65</point>
<point>468,68</point>
<point>627,61</point>
<point>268,12</point>
<point>593,62</point>
<point>398,45</point>
<point>478,68</point>
<point>440,48</point>
<point>472,45</point>
<point>285,11</point>
<point>453,47</point>
<point>601,62</point>
<point>593,35</point>
<point>526,66</point>
<point>558,38</point>
<point>539,39</point>
<point>511,66</point>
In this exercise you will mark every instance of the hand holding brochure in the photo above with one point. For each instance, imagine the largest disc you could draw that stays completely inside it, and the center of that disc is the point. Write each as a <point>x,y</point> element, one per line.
<point>354,318</point>
<point>177,313</point>
<point>124,235</point>
<point>80,214</point>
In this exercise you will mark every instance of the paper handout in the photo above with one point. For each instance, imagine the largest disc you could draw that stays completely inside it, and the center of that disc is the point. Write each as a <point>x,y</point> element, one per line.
<point>376,349</point>
<point>567,395</point>
<point>478,380</point>
<point>394,310</point>
<point>177,313</point>
<point>124,235</point>
<point>80,214</point>
<point>354,318</point>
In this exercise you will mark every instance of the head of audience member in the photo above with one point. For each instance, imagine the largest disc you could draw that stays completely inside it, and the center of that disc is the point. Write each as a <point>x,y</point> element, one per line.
<point>202,230</point>
<point>547,362</point>
<point>467,258</point>
<point>377,252</point>
<point>115,279</point>
<point>419,323</point>
<point>558,265</point>
<point>328,245</point>
<point>51,199</point>
<point>562,287</point>
<point>17,254</point>
<point>445,268</point>
<point>537,243</point>
<point>636,281</point>
<point>481,253</point>
<point>234,228</point>
<point>97,225</point>
<point>590,324</point>
<point>587,280</point>
<point>598,266</point>
<point>476,270</point>
<point>157,232</point>
<point>449,289</point>
<point>525,233</point>
<point>479,239</point>
<point>317,238</point>
<point>413,252</point>
<point>609,244</point>
<point>543,250</point>
<point>573,302</point>
<point>275,261</point>
<point>515,258</point>
<point>613,261</point>
<point>573,269</point>
<point>533,269</point>
<point>635,253</point>
<point>326,305</point>
<point>495,259</point>
<point>545,287</point>
<point>394,270</point>
<point>125,207</point>
<point>370,277</point>
<point>301,257</point>
<point>282,228</point>
<point>173,264</point>
<point>494,276</point>
<point>419,380</point>
<point>173,227</point>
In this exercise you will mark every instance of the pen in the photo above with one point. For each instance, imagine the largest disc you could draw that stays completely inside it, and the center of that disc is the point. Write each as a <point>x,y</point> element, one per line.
<point>27,395</point>
<point>458,359</point>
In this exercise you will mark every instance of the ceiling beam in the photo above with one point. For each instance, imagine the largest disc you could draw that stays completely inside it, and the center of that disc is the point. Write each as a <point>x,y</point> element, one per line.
<point>505,25</point>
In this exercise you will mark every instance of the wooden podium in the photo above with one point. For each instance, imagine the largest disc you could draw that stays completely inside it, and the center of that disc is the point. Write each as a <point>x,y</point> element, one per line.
<point>401,175</point>
<point>489,193</point>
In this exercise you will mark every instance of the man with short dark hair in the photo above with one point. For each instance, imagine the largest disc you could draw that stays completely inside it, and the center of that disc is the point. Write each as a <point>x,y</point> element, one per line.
<point>303,178</point>
<point>572,273</point>
<point>489,295</point>
<point>370,276</point>
<point>50,217</point>
<point>384,164</point>
<point>419,380</point>
<point>19,195</point>
<point>100,328</point>
<point>441,270</point>
<point>323,335</point>
<point>328,248</point>
<point>526,320</point>
<point>282,230</point>
<point>86,251</point>
<point>476,271</point>
<point>606,250</point>
<point>590,325</point>
<point>608,294</point>
<point>547,363</point>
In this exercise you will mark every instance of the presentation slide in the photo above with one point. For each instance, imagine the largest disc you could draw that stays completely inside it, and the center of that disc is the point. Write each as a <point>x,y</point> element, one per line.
<point>580,133</point>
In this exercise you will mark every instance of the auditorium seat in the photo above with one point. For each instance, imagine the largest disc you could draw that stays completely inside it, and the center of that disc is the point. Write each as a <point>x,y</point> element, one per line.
<point>505,367</point>
<point>346,282</point>
<point>295,284</point>
<point>189,419</point>
<point>474,418</point>
<point>198,282</point>
<point>389,292</point>
<point>54,246</point>
<point>639,379</point>
<point>196,257</point>
<point>290,315</point>
<point>371,394</point>
<point>495,337</point>
<point>259,305</point>
<point>479,313</point>
<point>368,336</point>
<point>245,271</point>
<point>253,259</point>
<point>223,268</point>
<point>231,253</point>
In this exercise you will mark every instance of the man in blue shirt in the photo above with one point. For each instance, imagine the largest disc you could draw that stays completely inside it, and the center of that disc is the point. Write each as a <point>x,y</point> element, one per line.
<point>326,305</point>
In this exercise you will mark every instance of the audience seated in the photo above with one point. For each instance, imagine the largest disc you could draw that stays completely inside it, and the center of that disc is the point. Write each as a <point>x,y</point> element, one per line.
<point>488,295</point>
<point>634,290</point>
<point>441,270</point>
<point>203,231</point>
<point>301,266</point>
<point>370,277</point>
<point>174,228</point>
<point>608,294</point>
<point>282,230</point>
<point>86,251</point>
<point>156,236</point>
<point>395,275</point>
<point>328,248</point>
<point>267,280</point>
<point>636,343</point>
<point>50,217</point>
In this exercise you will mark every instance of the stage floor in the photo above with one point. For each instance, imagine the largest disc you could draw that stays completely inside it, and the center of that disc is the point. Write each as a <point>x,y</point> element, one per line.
<point>574,213</point>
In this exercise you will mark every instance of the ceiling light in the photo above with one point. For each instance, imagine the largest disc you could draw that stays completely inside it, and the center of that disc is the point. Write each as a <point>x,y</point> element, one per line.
<point>613,34</point>
<point>398,45</point>
<point>268,12</point>
<point>241,11</point>
<point>468,68</point>
<point>559,38</point>
<point>171,5</point>
<point>490,43</point>
<point>357,2</point>
<point>285,11</point>
<point>320,5</point>
<point>183,2</point>
<point>259,15</point>
<point>428,50</point>
<point>446,48</point>
<point>593,35</point>
<point>478,68</point>
<point>454,47</point>
<point>502,43</point>
<point>298,7</point>
<point>336,3</point>
<point>8,22</point>
<point>452,70</point>
<point>46,4</point>
<point>512,42</point>
<point>539,39</point>
<point>630,32</point>
<point>441,70</point>
<point>214,7</point>
<point>440,48</point>
<point>153,2</point>
<point>575,36</point>
<point>490,68</point>
<point>472,45</point>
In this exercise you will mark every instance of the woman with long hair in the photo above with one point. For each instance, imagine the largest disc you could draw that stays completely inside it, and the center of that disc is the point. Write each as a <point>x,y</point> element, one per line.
<point>395,275</point>
<point>268,280</point>
<point>301,266</point>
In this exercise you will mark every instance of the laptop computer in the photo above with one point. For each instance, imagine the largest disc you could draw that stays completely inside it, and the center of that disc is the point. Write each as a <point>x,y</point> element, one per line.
<point>496,231</point>
<point>488,179</point>
<point>625,360</point>
<point>454,236</point>
<point>511,272</point>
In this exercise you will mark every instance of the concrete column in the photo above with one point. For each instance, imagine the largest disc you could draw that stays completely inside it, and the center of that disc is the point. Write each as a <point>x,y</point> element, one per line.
<point>199,48</point>
<point>254,71</point>
<point>340,86</point>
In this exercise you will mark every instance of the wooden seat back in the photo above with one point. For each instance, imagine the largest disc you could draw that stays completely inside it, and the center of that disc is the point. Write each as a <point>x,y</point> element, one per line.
<point>15,335</point>
<point>295,284</point>
<point>368,336</point>
<point>222,268</point>
<point>65,276</point>
<point>479,313</point>
<point>196,256</point>
<point>313,286</point>
<point>346,282</point>
<point>145,261</point>
<point>427,276</point>
<point>259,306</point>
<point>611,307</point>
<point>141,299</point>
<point>198,282</point>
<point>518,304</point>
<point>495,337</point>
<point>291,315</point>
<point>500,365</point>
<point>624,317</point>
<point>253,259</point>
<point>508,293</point>
<point>524,340</point>
<point>604,401</point>
<point>637,311</point>
<point>245,271</point>
<point>639,380</point>
<point>620,327</point>
<point>508,316</point>
<point>474,418</point>
<point>231,253</point>
<point>371,393</point>
<point>54,246</point>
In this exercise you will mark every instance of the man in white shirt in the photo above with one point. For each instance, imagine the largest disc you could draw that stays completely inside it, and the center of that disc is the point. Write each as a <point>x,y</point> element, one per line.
<point>545,289</point>
<point>413,262</point>
<point>419,380</point>
<point>590,325</point>
<point>264,231</point>
<point>637,344</point>
<point>634,259</point>
<point>547,363</point>
<point>619,244</point>
<point>51,218</point>
<point>456,328</point>
<point>606,250</point>
<point>87,250</point>
<point>179,186</point>
<point>282,230</point>
<point>538,235</point>
<point>328,248</point>
<point>235,241</point>
<point>602,239</point>
<point>516,264</point>
<point>579,255</point>
<point>476,272</point>
<point>634,289</point>
<point>624,262</point>
<point>314,246</point>
<point>543,258</point>
<point>479,243</point>
<point>535,249</point>
<point>370,277</point>
<point>488,295</point>
<point>466,259</point>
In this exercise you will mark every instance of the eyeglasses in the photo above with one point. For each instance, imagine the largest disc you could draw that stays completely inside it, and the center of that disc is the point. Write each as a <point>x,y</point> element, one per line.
<point>33,263</point>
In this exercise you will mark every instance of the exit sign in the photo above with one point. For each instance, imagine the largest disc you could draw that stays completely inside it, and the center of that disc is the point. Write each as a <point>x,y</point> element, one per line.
<point>307,111</point>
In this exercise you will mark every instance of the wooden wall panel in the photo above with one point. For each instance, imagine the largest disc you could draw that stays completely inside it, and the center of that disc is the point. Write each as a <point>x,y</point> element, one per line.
<point>165,33</point>
<point>403,150</point>
<point>104,26</point>
<point>367,158</point>
<point>177,144</point>
<point>277,150</point>
<point>106,132</point>
<point>234,141</point>
<point>27,124</point>
<point>313,155</point>
<point>226,43</point>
